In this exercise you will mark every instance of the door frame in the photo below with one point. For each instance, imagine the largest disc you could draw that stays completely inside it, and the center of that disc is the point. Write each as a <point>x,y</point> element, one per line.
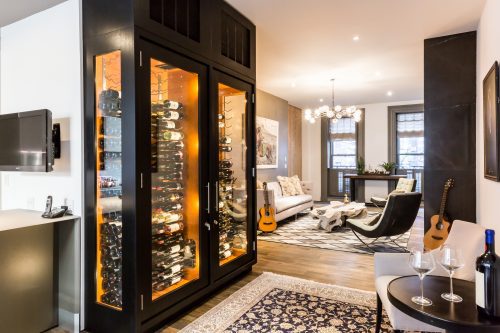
<point>217,77</point>
<point>147,51</point>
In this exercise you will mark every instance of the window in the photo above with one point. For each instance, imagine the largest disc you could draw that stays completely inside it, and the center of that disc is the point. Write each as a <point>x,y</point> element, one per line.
<point>344,144</point>
<point>408,141</point>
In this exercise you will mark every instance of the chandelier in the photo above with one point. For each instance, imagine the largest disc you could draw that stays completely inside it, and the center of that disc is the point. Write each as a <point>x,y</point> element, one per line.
<point>335,112</point>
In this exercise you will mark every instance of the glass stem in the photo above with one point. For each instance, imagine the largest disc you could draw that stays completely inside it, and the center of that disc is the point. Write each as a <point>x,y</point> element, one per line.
<point>422,287</point>
<point>451,283</point>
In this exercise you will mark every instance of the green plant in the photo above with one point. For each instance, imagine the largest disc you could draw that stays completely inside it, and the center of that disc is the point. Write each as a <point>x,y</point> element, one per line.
<point>388,166</point>
<point>360,166</point>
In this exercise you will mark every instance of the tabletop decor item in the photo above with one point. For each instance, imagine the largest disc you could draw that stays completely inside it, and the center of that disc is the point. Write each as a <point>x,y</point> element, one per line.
<point>388,167</point>
<point>451,259</point>
<point>423,263</point>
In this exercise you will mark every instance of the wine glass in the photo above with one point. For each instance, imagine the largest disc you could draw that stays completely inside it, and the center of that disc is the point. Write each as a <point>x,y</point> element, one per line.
<point>423,263</point>
<point>451,259</point>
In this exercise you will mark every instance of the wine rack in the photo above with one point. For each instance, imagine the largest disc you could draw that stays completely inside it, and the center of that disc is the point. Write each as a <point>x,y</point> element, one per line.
<point>109,180</point>
<point>173,251</point>
<point>231,189</point>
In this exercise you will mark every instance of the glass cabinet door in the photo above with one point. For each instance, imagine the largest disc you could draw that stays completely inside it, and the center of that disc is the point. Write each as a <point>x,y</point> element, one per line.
<point>175,181</point>
<point>109,179</point>
<point>232,183</point>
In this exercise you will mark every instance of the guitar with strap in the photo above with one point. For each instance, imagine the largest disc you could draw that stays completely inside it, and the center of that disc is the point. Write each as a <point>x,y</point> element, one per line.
<point>440,224</point>
<point>267,222</point>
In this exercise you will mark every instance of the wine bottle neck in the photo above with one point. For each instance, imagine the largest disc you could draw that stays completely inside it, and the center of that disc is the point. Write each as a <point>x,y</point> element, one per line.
<point>490,247</point>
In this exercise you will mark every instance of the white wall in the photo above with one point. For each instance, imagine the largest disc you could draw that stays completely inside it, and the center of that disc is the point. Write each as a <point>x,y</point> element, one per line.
<point>376,146</point>
<point>41,69</point>
<point>311,155</point>
<point>488,50</point>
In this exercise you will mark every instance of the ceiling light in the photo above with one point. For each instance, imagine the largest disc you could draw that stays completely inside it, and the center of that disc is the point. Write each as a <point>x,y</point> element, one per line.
<point>355,38</point>
<point>293,84</point>
<point>321,100</point>
<point>389,93</point>
<point>377,73</point>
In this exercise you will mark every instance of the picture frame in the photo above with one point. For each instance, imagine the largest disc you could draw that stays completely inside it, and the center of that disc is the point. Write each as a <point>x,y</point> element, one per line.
<point>491,117</point>
<point>267,132</point>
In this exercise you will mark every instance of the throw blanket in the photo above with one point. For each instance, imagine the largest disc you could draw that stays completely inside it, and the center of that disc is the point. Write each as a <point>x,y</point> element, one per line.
<point>331,216</point>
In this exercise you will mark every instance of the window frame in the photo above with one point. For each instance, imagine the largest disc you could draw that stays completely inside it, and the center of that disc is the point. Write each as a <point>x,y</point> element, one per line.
<point>393,112</point>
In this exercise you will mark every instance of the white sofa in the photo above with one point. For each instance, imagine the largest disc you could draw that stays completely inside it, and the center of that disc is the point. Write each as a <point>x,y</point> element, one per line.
<point>285,206</point>
<point>464,235</point>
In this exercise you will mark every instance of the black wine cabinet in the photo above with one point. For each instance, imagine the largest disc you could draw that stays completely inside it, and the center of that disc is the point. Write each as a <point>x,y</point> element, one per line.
<point>169,157</point>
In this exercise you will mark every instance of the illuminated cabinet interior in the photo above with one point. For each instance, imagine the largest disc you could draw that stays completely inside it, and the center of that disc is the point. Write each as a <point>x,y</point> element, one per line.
<point>169,158</point>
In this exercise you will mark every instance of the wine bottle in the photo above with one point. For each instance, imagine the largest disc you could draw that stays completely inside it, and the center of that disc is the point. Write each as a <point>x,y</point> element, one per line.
<point>173,166</point>
<point>164,259</point>
<point>222,124</point>
<point>221,116</point>
<point>173,135</point>
<point>225,254</point>
<point>170,124</point>
<point>162,228</point>
<point>165,187</point>
<point>226,148</point>
<point>167,205</point>
<point>225,174</point>
<point>224,247</point>
<point>225,164</point>
<point>171,115</point>
<point>170,145</point>
<point>172,105</point>
<point>487,279</point>
<point>165,217</point>
<point>173,156</point>
<point>225,140</point>
<point>189,248</point>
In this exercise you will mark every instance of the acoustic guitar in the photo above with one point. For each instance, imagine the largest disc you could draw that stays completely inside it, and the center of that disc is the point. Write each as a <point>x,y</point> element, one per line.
<point>440,225</point>
<point>267,222</point>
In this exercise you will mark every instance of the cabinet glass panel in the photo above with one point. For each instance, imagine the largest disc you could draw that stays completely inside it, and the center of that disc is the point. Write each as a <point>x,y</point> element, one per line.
<point>174,178</point>
<point>232,189</point>
<point>109,179</point>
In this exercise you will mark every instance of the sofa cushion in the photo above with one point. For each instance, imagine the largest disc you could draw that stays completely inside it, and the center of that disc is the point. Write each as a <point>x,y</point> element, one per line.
<point>295,180</point>
<point>285,203</point>
<point>275,186</point>
<point>287,186</point>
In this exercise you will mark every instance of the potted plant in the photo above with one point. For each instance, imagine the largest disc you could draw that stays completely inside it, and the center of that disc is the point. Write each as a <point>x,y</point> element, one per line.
<point>388,167</point>
<point>360,166</point>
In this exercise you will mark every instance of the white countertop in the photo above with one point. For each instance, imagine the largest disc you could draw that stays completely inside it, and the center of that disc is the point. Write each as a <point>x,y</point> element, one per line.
<point>24,218</point>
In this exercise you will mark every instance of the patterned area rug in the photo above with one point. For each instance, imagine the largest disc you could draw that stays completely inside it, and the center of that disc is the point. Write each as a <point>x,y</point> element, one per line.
<point>304,232</point>
<point>278,303</point>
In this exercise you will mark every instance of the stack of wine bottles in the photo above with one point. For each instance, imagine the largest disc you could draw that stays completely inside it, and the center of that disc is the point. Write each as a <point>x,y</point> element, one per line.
<point>226,181</point>
<point>109,175</point>
<point>172,254</point>
<point>111,258</point>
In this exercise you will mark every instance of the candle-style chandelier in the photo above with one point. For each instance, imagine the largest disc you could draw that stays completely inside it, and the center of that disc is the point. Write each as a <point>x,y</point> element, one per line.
<point>335,112</point>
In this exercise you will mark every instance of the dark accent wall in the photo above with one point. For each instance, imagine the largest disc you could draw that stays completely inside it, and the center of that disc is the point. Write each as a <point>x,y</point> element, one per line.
<point>272,107</point>
<point>450,124</point>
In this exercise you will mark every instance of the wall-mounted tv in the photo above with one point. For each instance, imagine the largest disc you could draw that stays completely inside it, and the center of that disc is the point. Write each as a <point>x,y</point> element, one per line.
<point>26,141</point>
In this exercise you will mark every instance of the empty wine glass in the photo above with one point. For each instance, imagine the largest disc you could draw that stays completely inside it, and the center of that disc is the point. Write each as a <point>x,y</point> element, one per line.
<point>423,263</point>
<point>451,259</point>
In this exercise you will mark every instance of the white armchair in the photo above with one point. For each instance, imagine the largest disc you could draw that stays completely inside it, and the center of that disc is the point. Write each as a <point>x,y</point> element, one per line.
<point>388,266</point>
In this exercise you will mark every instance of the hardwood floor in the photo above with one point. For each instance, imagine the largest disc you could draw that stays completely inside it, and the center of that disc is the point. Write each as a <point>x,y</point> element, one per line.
<point>341,268</point>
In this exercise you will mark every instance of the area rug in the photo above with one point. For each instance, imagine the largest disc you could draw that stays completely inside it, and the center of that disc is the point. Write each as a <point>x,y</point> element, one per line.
<point>304,232</point>
<point>279,303</point>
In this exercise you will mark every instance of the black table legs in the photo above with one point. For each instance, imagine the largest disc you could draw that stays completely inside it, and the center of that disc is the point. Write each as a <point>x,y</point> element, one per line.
<point>352,189</point>
<point>379,314</point>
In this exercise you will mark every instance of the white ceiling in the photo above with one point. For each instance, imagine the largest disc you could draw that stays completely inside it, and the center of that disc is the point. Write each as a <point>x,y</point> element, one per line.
<point>14,10</point>
<point>302,44</point>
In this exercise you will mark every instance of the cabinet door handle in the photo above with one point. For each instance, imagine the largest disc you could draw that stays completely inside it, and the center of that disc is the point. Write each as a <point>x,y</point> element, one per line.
<point>207,225</point>
<point>217,195</point>
<point>208,198</point>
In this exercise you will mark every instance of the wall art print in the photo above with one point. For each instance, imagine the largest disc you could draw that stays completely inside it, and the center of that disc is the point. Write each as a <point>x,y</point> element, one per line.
<point>267,131</point>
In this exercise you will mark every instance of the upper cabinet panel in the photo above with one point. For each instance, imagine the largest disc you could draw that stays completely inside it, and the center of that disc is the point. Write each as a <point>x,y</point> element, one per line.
<point>179,21</point>
<point>233,43</point>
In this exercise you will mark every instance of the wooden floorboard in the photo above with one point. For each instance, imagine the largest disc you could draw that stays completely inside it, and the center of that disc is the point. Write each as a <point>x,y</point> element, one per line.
<point>334,267</point>
<point>327,266</point>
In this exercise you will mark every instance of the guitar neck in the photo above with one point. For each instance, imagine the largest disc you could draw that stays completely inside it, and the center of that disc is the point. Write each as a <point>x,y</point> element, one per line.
<point>266,197</point>
<point>443,204</point>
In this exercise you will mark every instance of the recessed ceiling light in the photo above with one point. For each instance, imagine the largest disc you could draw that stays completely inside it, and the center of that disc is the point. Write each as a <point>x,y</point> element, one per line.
<point>321,100</point>
<point>355,38</point>
<point>389,93</point>
<point>293,84</point>
<point>377,73</point>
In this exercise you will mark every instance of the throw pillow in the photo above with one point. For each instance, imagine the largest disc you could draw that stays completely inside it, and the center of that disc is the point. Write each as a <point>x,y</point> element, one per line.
<point>287,186</point>
<point>296,183</point>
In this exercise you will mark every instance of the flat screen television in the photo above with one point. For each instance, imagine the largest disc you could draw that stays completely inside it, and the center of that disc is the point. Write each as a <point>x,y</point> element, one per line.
<point>26,141</point>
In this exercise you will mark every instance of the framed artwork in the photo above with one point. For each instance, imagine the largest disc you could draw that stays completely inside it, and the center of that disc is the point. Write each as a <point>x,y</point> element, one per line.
<point>490,119</point>
<point>267,131</point>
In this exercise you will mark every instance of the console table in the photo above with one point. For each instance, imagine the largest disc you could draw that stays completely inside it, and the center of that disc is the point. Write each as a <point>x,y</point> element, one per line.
<point>361,179</point>
<point>40,272</point>
<point>460,317</point>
